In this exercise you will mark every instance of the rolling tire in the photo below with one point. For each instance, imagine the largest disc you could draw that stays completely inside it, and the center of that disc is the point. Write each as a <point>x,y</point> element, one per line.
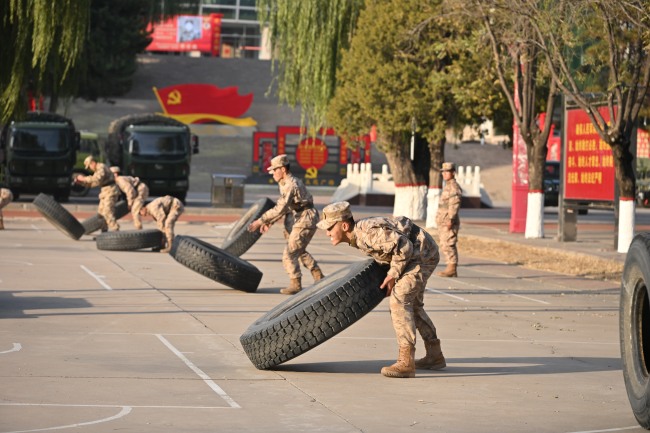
<point>58,216</point>
<point>239,239</point>
<point>634,317</point>
<point>96,222</point>
<point>215,263</point>
<point>315,315</point>
<point>129,240</point>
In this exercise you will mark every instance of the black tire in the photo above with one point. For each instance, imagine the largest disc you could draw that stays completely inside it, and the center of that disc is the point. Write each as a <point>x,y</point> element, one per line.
<point>96,222</point>
<point>239,239</point>
<point>130,240</point>
<point>58,216</point>
<point>634,317</point>
<point>215,263</point>
<point>315,315</point>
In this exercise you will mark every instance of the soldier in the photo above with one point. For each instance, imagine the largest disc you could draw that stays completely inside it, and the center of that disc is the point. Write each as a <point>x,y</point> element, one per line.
<point>412,255</point>
<point>297,206</point>
<point>136,193</point>
<point>108,193</point>
<point>6,197</point>
<point>448,220</point>
<point>165,210</point>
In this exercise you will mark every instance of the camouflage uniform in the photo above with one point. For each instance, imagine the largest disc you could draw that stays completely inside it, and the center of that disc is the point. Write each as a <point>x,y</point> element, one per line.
<point>136,193</point>
<point>448,211</point>
<point>108,194</point>
<point>412,255</point>
<point>297,206</point>
<point>6,197</point>
<point>166,210</point>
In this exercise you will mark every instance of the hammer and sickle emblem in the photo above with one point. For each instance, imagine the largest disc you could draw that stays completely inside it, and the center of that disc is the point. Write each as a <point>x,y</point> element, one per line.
<point>174,97</point>
<point>311,173</point>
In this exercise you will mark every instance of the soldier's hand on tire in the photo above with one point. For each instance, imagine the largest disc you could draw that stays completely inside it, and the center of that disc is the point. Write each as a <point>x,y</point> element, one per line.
<point>255,225</point>
<point>389,283</point>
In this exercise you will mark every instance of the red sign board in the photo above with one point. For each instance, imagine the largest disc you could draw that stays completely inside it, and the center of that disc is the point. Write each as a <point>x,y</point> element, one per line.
<point>187,33</point>
<point>589,172</point>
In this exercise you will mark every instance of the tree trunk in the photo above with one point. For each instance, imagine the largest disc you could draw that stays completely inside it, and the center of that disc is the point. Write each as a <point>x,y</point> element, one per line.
<point>536,151</point>
<point>437,150</point>
<point>623,163</point>
<point>411,179</point>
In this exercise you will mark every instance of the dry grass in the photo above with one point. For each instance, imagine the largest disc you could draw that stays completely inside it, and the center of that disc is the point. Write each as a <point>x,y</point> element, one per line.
<point>544,259</point>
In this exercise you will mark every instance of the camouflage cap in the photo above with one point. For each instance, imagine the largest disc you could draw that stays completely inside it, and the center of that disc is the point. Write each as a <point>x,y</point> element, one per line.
<point>115,169</point>
<point>88,160</point>
<point>333,213</point>
<point>448,166</point>
<point>277,162</point>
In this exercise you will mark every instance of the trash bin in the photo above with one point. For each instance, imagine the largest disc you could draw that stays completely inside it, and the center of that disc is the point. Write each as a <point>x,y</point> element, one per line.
<point>228,190</point>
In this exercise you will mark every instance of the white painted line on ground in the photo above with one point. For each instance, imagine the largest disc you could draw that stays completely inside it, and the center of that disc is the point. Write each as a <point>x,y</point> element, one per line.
<point>610,429</point>
<point>428,289</point>
<point>16,348</point>
<point>224,226</point>
<point>498,291</point>
<point>36,228</point>
<point>99,278</point>
<point>125,411</point>
<point>132,406</point>
<point>19,262</point>
<point>220,392</point>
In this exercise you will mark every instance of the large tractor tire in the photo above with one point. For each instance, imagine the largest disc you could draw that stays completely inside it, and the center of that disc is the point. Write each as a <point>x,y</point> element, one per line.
<point>130,240</point>
<point>96,222</point>
<point>215,263</point>
<point>239,239</point>
<point>634,317</point>
<point>315,315</point>
<point>58,216</point>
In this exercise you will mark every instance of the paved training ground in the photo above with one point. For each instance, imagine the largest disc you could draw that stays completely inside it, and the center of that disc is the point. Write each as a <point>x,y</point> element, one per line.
<point>98,341</point>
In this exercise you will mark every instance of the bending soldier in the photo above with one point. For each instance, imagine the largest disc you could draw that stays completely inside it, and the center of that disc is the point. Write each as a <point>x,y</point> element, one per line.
<point>136,193</point>
<point>165,211</point>
<point>447,219</point>
<point>6,197</point>
<point>297,206</point>
<point>108,193</point>
<point>412,255</point>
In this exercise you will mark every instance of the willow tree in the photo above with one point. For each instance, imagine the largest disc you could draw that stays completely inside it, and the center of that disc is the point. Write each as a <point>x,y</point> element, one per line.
<point>34,34</point>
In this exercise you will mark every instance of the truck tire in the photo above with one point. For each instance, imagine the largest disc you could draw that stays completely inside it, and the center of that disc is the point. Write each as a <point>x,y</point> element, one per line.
<point>239,239</point>
<point>634,317</point>
<point>58,216</point>
<point>96,222</point>
<point>130,240</point>
<point>315,315</point>
<point>216,264</point>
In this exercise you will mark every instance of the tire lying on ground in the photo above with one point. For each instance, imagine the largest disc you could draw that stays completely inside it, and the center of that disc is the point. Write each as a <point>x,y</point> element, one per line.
<point>129,240</point>
<point>315,315</point>
<point>58,216</point>
<point>215,263</point>
<point>96,222</point>
<point>634,326</point>
<point>239,239</point>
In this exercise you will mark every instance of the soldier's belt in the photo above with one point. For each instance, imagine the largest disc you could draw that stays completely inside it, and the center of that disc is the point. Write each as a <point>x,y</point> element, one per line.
<point>305,207</point>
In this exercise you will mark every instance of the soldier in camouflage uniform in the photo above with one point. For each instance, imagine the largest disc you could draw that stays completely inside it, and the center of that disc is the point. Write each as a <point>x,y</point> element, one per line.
<point>136,193</point>
<point>297,206</point>
<point>165,210</point>
<point>6,197</point>
<point>448,220</point>
<point>108,194</point>
<point>412,255</point>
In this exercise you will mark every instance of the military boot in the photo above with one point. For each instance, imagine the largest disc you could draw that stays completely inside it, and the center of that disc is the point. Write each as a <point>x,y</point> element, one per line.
<point>405,364</point>
<point>449,272</point>
<point>294,287</point>
<point>317,274</point>
<point>434,360</point>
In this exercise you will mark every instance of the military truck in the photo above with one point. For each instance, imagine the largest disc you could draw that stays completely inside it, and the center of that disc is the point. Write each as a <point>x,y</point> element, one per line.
<point>155,148</point>
<point>37,155</point>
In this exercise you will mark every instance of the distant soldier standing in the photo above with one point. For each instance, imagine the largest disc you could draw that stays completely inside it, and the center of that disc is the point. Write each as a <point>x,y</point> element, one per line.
<point>6,197</point>
<point>136,193</point>
<point>297,206</point>
<point>108,193</point>
<point>165,210</point>
<point>448,220</point>
<point>412,255</point>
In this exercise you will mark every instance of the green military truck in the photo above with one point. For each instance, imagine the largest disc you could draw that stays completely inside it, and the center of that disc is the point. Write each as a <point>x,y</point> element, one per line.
<point>155,148</point>
<point>37,155</point>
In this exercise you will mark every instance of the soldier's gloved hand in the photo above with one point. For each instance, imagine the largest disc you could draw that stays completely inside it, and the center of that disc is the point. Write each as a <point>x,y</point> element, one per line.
<point>388,284</point>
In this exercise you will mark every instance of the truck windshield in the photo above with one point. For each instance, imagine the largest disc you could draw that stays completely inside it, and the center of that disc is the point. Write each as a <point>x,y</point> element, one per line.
<point>157,143</point>
<point>40,140</point>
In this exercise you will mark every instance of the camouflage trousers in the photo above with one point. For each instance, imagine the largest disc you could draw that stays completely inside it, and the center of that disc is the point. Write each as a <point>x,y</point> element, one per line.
<point>108,196</point>
<point>6,197</point>
<point>295,253</point>
<point>138,203</point>
<point>448,241</point>
<point>407,299</point>
<point>167,226</point>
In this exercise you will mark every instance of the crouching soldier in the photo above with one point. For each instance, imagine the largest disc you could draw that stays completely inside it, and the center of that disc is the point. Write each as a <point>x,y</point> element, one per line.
<point>165,211</point>
<point>108,194</point>
<point>6,197</point>
<point>412,255</point>
<point>136,193</point>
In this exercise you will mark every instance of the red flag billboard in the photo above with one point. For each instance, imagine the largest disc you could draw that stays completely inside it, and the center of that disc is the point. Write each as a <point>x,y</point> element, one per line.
<point>187,33</point>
